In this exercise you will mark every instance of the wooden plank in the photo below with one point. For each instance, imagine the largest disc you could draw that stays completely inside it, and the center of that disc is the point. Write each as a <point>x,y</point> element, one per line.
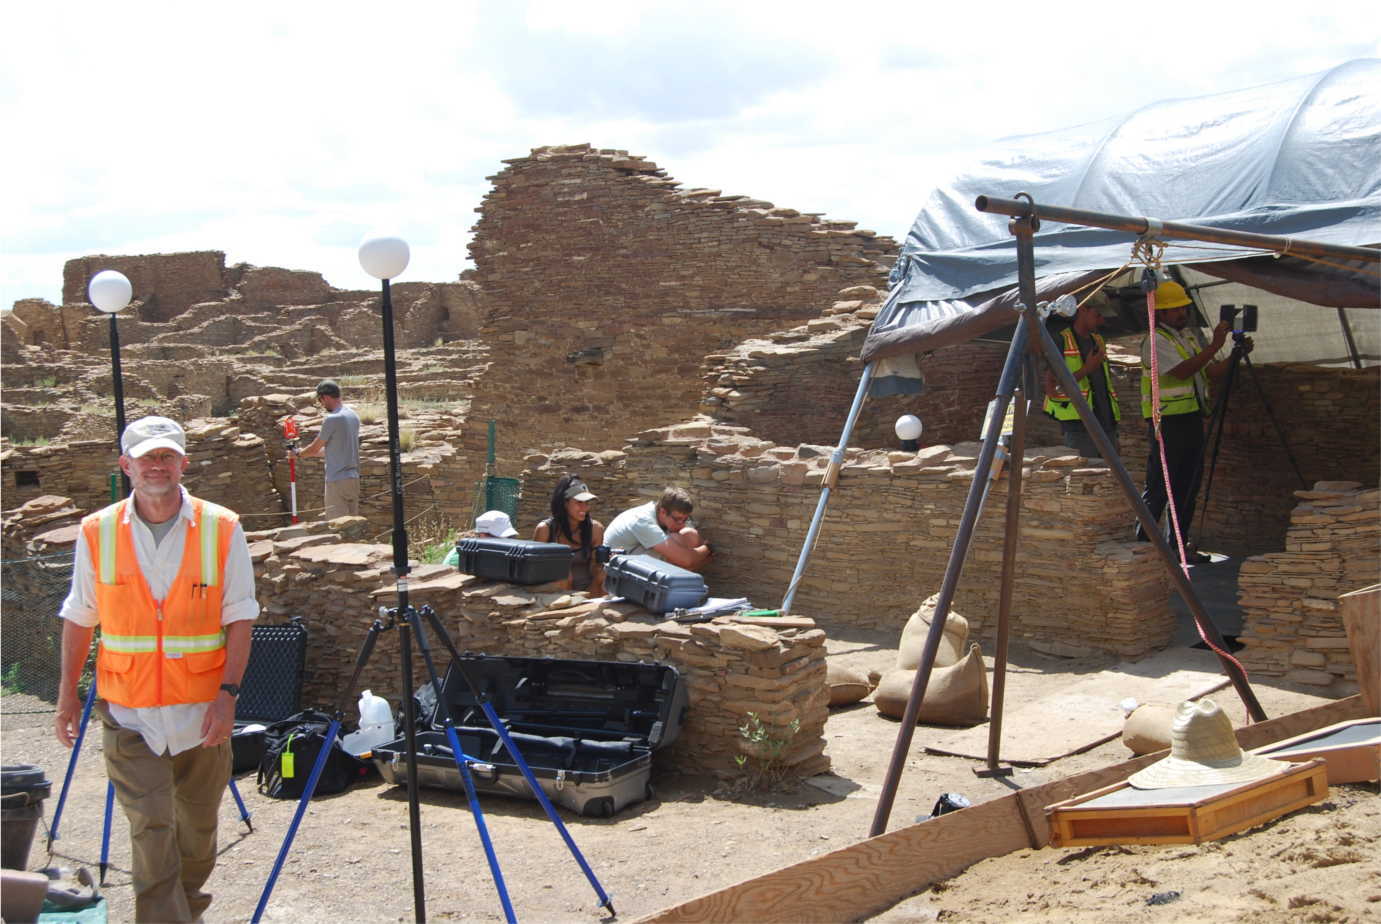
<point>1361,613</point>
<point>876,873</point>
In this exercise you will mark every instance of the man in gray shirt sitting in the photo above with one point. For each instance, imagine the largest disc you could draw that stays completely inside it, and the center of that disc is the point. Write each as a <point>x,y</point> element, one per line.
<point>662,529</point>
<point>339,442</point>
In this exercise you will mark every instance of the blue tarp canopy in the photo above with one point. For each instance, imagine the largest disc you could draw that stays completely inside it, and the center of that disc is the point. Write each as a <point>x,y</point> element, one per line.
<point>1299,158</point>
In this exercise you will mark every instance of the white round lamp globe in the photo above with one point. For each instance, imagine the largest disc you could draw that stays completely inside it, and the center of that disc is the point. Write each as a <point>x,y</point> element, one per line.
<point>109,291</point>
<point>384,256</point>
<point>908,427</point>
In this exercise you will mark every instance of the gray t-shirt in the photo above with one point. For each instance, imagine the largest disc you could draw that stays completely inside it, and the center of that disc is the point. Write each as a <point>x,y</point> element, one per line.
<point>341,432</point>
<point>636,530</point>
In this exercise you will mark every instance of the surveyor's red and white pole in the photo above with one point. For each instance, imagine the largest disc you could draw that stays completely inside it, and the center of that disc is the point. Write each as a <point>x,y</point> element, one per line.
<point>290,434</point>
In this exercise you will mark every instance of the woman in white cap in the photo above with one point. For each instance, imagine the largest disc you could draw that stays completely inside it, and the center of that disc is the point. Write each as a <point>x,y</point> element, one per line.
<point>570,522</point>
<point>494,524</point>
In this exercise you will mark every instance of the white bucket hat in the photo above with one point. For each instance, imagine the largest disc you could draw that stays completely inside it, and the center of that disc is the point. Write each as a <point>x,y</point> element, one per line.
<point>149,433</point>
<point>495,523</point>
<point>1204,752</point>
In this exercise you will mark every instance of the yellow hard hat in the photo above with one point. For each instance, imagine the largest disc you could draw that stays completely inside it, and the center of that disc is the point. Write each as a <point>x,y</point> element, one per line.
<point>1171,295</point>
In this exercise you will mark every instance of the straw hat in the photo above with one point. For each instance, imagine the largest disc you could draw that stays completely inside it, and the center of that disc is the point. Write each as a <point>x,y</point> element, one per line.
<point>1203,752</point>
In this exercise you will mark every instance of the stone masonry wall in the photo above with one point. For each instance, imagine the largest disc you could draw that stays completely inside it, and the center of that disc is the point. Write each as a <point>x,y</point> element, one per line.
<point>887,533</point>
<point>605,284</point>
<point>228,467</point>
<point>729,667</point>
<point>1291,621</point>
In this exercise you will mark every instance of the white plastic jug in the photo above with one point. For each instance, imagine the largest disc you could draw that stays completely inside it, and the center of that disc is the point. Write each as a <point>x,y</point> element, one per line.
<point>375,710</point>
<point>376,725</point>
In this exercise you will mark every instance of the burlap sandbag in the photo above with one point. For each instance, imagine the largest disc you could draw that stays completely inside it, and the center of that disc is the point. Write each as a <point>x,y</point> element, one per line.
<point>1147,729</point>
<point>846,684</point>
<point>917,628</point>
<point>956,695</point>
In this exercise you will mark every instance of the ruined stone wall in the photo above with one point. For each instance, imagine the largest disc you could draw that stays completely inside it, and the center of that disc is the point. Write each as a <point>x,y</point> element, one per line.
<point>605,285</point>
<point>797,385</point>
<point>886,536</point>
<point>1292,626</point>
<point>729,668</point>
<point>165,285</point>
<point>228,467</point>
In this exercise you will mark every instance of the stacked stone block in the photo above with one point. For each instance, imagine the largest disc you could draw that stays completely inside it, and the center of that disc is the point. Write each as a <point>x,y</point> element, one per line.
<point>1292,626</point>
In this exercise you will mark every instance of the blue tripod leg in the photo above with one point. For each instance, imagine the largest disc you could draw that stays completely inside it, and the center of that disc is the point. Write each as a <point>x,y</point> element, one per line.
<point>547,807</point>
<point>463,765</point>
<point>105,830</point>
<point>71,765</point>
<point>317,767</point>
<point>244,812</point>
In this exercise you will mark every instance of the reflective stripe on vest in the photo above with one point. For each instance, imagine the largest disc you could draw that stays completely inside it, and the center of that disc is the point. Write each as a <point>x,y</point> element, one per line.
<point>1177,396</point>
<point>210,551</point>
<point>1059,406</point>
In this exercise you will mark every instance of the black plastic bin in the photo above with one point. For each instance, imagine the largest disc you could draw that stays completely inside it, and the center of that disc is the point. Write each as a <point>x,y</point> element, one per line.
<point>23,787</point>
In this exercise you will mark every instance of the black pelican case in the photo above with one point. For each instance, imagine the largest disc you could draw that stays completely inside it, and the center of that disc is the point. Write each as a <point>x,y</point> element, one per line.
<point>518,561</point>
<point>587,729</point>
<point>654,584</point>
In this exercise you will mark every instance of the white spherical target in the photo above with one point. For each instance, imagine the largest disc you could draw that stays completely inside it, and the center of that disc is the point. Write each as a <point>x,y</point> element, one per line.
<point>908,427</point>
<point>109,291</point>
<point>384,256</point>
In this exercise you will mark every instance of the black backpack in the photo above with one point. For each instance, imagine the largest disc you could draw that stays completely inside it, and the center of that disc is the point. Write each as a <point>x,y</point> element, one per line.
<point>290,751</point>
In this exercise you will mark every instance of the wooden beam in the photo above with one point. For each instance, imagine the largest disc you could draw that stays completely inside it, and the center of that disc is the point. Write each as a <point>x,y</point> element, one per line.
<point>873,874</point>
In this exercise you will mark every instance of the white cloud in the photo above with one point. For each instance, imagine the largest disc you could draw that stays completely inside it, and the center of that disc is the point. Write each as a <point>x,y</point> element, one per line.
<point>281,132</point>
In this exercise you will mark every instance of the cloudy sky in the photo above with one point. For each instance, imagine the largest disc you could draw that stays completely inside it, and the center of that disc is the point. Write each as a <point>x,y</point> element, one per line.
<point>282,132</point>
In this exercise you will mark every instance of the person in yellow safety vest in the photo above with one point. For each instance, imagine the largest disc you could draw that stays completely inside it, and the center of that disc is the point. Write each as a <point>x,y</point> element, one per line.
<point>1086,356</point>
<point>167,577</point>
<point>1185,366</point>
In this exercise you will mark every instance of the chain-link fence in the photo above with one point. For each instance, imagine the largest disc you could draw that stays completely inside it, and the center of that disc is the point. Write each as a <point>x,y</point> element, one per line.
<point>31,593</point>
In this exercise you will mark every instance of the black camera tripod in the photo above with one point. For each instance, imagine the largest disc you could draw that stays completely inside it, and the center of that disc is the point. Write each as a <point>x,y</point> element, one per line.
<point>1238,357</point>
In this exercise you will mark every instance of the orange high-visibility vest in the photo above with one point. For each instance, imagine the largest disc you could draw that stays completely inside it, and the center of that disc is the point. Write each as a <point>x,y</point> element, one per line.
<point>160,653</point>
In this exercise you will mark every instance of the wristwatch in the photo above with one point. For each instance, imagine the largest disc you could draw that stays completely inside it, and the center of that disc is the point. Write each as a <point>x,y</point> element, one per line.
<point>232,688</point>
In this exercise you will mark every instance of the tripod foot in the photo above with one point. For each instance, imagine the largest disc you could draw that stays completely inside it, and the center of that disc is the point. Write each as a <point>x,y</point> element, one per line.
<point>988,772</point>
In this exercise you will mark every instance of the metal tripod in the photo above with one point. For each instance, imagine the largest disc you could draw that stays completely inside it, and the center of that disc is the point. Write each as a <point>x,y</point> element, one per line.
<point>1238,357</point>
<point>1019,376</point>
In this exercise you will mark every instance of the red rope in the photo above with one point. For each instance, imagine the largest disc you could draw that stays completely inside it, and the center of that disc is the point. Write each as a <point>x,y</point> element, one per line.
<point>1165,471</point>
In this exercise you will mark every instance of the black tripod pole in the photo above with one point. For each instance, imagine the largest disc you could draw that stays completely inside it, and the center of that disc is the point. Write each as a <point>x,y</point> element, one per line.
<point>118,386</point>
<point>1270,415</point>
<point>401,569</point>
<point>1215,429</point>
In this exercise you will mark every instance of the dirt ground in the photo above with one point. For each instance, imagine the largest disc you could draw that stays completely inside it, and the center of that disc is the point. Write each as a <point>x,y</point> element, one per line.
<point>350,860</point>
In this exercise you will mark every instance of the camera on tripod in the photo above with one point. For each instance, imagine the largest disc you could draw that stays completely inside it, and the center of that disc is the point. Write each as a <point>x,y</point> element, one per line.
<point>1242,322</point>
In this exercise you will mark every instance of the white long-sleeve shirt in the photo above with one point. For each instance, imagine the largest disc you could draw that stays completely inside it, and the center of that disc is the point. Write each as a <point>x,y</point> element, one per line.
<point>171,728</point>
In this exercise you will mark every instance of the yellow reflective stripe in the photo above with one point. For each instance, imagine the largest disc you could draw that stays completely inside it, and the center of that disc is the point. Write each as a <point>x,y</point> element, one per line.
<point>191,644</point>
<point>130,644</point>
<point>210,545</point>
<point>110,521</point>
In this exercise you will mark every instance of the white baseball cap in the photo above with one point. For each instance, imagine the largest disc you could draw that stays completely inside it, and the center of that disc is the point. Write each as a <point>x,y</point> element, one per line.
<point>495,523</point>
<point>149,433</point>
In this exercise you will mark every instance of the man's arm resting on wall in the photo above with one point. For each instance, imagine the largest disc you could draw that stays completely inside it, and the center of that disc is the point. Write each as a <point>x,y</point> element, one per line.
<point>76,643</point>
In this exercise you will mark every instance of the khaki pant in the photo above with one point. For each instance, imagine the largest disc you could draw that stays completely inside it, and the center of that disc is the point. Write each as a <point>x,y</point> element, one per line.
<point>342,498</point>
<point>172,804</point>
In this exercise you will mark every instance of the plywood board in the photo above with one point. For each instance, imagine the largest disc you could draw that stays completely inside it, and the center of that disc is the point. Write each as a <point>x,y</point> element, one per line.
<point>875,873</point>
<point>1037,730</point>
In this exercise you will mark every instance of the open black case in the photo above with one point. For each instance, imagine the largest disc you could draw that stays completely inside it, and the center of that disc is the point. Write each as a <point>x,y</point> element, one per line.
<point>587,729</point>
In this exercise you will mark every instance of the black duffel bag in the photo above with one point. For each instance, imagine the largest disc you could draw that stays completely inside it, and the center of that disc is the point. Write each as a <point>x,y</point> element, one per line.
<point>290,751</point>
